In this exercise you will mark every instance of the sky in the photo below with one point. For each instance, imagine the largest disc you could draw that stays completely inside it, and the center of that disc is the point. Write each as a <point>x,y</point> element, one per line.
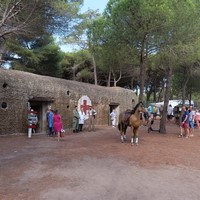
<point>95,4</point>
<point>88,4</point>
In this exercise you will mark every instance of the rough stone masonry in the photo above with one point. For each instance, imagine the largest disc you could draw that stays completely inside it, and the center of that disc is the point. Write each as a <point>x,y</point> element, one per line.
<point>20,91</point>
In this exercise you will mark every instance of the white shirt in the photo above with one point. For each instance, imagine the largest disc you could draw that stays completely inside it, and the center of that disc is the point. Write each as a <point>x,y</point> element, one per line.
<point>169,110</point>
<point>113,115</point>
<point>81,117</point>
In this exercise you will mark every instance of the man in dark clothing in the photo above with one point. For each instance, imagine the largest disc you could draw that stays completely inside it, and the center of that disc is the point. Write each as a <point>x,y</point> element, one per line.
<point>184,122</point>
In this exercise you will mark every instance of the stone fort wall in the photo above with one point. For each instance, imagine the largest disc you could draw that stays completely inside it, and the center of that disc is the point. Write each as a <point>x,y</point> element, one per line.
<point>18,89</point>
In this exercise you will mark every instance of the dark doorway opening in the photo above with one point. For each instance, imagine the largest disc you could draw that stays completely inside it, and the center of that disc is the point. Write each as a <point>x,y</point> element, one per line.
<point>40,106</point>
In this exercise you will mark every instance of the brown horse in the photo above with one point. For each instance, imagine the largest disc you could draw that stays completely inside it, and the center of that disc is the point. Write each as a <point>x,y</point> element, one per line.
<point>124,123</point>
<point>132,118</point>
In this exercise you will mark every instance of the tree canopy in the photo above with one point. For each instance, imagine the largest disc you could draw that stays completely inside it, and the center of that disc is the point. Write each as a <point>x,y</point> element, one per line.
<point>148,46</point>
<point>36,17</point>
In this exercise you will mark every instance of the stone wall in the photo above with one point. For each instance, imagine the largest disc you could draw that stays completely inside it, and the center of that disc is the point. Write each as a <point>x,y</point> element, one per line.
<point>18,88</point>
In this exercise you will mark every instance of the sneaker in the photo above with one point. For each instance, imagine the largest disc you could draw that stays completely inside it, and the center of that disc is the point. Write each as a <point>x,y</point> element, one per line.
<point>180,135</point>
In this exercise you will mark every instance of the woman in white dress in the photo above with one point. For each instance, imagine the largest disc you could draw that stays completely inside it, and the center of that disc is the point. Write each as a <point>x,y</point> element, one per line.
<point>81,119</point>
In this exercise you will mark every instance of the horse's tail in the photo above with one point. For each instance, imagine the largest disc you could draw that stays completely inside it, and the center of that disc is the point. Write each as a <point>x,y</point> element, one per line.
<point>120,126</point>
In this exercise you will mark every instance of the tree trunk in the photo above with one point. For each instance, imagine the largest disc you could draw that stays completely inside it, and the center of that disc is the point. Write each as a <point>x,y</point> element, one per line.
<point>132,79</point>
<point>159,95</point>
<point>185,82</point>
<point>142,72</point>
<point>116,81</point>
<point>166,101</point>
<point>95,70</point>
<point>149,95</point>
<point>109,77</point>
<point>74,72</point>
<point>154,91</point>
<point>184,91</point>
<point>190,97</point>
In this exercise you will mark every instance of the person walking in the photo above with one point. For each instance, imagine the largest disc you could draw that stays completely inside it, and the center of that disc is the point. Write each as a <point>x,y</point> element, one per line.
<point>92,114</point>
<point>113,118</point>
<point>184,123</point>
<point>49,116</point>
<point>149,110</point>
<point>75,120</point>
<point>169,112</point>
<point>81,119</point>
<point>176,114</point>
<point>191,121</point>
<point>57,125</point>
<point>197,118</point>
<point>154,111</point>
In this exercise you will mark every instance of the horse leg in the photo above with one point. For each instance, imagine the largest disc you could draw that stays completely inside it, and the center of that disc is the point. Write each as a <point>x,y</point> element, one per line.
<point>122,138</point>
<point>136,135</point>
<point>124,135</point>
<point>125,128</point>
<point>122,132</point>
<point>132,139</point>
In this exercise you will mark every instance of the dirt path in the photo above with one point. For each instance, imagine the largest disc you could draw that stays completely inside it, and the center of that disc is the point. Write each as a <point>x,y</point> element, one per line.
<point>96,166</point>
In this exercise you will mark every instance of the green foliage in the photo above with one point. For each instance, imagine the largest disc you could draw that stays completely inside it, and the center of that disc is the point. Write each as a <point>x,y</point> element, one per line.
<point>137,20</point>
<point>78,63</point>
<point>78,34</point>
<point>153,35</point>
<point>41,56</point>
<point>85,75</point>
<point>36,17</point>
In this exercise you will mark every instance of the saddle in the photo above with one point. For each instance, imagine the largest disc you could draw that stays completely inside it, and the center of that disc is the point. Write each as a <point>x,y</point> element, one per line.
<point>127,115</point>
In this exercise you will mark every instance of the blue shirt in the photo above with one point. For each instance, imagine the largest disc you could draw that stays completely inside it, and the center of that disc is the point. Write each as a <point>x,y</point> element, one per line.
<point>149,109</point>
<point>186,113</point>
<point>50,119</point>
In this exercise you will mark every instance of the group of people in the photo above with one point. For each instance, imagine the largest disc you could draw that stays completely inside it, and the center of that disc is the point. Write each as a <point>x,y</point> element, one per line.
<point>188,120</point>
<point>79,118</point>
<point>54,123</point>
<point>154,111</point>
<point>194,116</point>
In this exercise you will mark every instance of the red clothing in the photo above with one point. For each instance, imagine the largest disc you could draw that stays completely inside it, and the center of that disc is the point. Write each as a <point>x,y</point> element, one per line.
<point>197,116</point>
<point>57,123</point>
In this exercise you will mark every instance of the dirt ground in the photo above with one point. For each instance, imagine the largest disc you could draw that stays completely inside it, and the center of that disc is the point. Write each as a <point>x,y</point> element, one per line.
<point>97,166</point>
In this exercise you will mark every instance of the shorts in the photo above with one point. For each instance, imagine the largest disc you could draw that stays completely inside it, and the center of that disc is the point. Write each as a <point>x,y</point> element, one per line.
<point>154,114</point>
<point>191,124</point>
<point>169,117</point>
<point>184,125</point>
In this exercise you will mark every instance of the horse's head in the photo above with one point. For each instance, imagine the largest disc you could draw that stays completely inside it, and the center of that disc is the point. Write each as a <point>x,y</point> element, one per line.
<point>146,116</point>
<point>142,109</point>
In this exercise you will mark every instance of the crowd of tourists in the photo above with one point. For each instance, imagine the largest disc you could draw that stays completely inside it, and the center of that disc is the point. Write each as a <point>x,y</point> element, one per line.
<point>187,118</point>
<point>79,118</point>
<point>54,123</point>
